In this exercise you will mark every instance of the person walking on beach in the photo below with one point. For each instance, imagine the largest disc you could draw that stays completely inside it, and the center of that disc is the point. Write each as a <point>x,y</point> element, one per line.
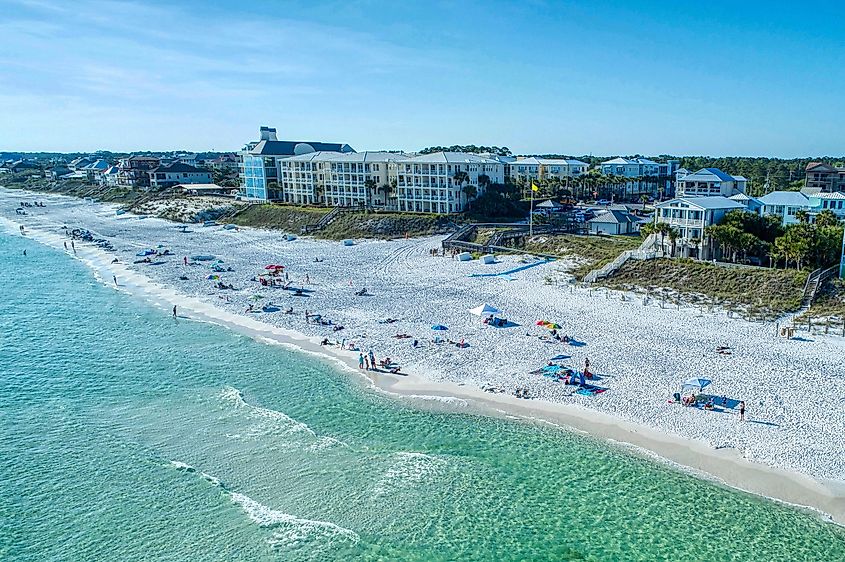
<point>372,360</point>
<point>366,363</point>
<point>185,260</point>
<point>72,245</point>
<point>360,360</point>
<point>174,311</point>
<point>114,278</point>
<point>65,246</point>
<point>307,279</point>
<point>742,411</point>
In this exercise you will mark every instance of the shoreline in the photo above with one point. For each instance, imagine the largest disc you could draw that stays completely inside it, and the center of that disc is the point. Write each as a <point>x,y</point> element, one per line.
<point>723,465</point>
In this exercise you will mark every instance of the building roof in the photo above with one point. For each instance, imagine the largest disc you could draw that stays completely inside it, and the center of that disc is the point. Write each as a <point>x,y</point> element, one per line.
<point>615,216</point>
<point>311,156</point>
<point>836,195</point>
<point>561,162</point>
<point>821,167</point>
<point>706,203</point>
<point>177,167</point>
<point>530,161</point>
<point>709,174</point>
<point>451,158</point>
<point>370,156</point>
<point>621,160</point>
<point>100,165</point>
<point>548,204</point>
<point>787,198</point>
<point>295,148</point>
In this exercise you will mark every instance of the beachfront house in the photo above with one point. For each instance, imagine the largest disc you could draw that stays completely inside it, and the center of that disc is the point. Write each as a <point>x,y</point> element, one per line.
<point>646,176</point>
<point>708,182</point>
<point>824,177</point>
<point>176,173</point>
<point>443,182</point>
<point>259,163</point>
<point>301,178</point>
<point>362,179</point>
<point>614,222</point>
<point>834,202</point>
<point>689,216</point>
<point>525,169</point>
<point>752,204</point>
<point>532,168</point>
<point>135,171</point>
<point>785,205</point>
<point>110,176</point>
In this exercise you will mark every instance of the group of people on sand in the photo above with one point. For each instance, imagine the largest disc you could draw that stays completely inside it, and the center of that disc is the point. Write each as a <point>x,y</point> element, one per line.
<point>367,362</point>
<point>710,403</point>
<point>35,204</point>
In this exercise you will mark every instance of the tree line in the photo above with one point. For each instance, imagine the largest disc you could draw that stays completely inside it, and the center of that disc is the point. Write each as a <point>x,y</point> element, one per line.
<point>741,234</point>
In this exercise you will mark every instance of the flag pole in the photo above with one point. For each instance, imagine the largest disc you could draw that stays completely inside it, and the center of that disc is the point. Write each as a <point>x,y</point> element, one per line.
<point>842,258</point>
<point>531,213</point>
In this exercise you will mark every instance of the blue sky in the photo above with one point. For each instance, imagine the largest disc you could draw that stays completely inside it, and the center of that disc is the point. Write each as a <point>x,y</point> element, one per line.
<point>579,77</point>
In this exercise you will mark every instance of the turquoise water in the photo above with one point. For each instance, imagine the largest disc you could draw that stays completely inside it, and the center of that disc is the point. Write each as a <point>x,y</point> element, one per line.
<point>128,435</point>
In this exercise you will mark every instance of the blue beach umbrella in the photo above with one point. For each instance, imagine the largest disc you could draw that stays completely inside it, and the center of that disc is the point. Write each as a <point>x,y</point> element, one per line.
<point>439,327</point>
<point>697,383</point>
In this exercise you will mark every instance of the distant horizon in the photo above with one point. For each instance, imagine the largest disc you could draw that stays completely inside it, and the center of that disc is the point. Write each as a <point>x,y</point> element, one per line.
<point>576,77</point>
<point>825,158</point>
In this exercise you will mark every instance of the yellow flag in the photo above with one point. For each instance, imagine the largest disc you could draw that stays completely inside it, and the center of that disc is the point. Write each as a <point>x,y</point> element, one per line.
<point>534,187</point>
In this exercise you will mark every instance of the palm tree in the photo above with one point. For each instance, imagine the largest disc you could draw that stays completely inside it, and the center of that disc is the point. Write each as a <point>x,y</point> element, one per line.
<point>369,186</point>
<point>483,181</point>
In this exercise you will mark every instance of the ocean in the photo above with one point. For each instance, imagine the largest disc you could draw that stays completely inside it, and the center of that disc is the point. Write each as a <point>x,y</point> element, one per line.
<point>126,434</point>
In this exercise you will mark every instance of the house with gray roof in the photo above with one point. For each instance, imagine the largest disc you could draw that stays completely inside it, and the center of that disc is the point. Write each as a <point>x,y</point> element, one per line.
<point>169,175</point>
<point>708,182</point>
<point>615,222</point>
<point>785,205</point>
<point>690,216</point>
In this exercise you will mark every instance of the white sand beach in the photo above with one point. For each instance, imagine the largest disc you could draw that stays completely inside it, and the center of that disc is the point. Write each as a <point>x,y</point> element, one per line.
<point>790,448</point>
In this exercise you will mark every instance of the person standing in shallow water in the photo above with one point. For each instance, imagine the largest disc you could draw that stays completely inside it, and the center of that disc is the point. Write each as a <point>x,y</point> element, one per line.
<point>174,311</point>
<point>360,360</point>
<point>114,278</point>
<point>24,253</point>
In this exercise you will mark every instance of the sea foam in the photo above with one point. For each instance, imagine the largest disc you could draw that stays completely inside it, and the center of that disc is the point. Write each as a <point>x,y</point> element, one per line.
<point>291,531</point>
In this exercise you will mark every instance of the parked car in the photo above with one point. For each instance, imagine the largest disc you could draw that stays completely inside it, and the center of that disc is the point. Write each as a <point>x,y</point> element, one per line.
<point>604,202</point>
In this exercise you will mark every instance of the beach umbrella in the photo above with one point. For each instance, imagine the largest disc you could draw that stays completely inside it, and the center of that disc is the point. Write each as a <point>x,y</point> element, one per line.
<point>213,277</point>
<point>559,357</point>
<point>439,327</point>
<point>484,309</point>
<point>553,368</point>
<point>256,297</point>
<point>273,266</point>
<point>541,322</point>
<point>697,383</point>
<point>552,326</point>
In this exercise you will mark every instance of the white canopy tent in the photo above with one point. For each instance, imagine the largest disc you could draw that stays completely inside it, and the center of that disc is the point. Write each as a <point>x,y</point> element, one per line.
<point>484,310</point>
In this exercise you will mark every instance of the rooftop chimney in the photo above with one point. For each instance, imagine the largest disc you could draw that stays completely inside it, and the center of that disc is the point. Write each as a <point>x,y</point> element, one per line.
<point>268,133</point>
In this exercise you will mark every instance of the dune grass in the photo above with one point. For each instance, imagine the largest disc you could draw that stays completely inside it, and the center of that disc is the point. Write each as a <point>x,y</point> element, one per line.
<point>592,251</point>
<point>753,291</point>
